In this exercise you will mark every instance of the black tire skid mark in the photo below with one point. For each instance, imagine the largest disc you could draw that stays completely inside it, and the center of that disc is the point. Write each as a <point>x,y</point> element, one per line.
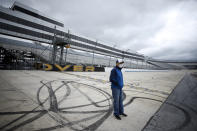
<point>56,110</point>
<point>92,102</point>
<point>68,92</point>
<point>187,116</point>
<point>52,99</point>
<point>98,123</point>
<point>145,93</point>
<point>27,121</point>
<point>179,127</point>
<point>17,119</point>
<point>101,91</point>
<point>20,117</point>
<point>44,84</point>
<point>79,121</point>
<point>186,121</point>
<point>94,127</point>
<point>183,108</point>
<point>68,124</point>
<point>100,80</point>
<point>82,112</point>
<point>26,112</point>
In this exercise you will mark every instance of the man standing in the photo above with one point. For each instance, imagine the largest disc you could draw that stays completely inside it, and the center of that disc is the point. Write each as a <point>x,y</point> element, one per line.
<point>116,80</point>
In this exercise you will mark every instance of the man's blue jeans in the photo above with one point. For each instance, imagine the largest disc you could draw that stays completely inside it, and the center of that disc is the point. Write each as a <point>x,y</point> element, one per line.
<point>117,101</point>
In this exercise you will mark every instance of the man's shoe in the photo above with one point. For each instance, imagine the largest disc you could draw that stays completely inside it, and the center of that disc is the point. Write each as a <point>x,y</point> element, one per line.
<point>117,117</point>
<point>123,114</point>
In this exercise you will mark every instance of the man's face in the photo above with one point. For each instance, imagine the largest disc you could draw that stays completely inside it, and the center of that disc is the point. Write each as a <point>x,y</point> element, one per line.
<point>120,65</point>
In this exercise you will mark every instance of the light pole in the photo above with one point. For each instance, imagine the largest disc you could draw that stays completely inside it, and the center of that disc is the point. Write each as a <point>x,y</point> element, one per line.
<point>110,56</point>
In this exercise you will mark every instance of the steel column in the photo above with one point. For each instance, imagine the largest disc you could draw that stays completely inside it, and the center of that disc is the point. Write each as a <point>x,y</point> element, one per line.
<point>93,54</point>
<point>61,54</point>
<point>54,51</point>
<point>68,40</point>
<point>109,60</point>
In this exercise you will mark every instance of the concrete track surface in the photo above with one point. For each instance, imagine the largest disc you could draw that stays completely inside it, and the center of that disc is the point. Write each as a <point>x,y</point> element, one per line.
<point>66,101</point>
<point>179,111</point>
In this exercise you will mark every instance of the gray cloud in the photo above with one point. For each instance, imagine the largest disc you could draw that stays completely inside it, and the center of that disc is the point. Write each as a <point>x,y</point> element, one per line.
<point>163,29</point>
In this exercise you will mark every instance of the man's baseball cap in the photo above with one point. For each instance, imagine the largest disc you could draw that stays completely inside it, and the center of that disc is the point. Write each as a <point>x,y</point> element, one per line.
<point>120,61</point>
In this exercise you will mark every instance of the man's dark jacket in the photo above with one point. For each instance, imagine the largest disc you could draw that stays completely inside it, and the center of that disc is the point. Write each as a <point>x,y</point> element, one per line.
<point>116,78</point>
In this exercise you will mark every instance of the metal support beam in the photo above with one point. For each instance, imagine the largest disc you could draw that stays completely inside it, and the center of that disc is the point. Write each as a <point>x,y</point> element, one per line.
<point>109,60</point>
<point>130,63</point>
<point>66,55</point>
<point>93,55</point>
<point>68,40</point>
<point>137,64</point>
<point>111,56</point>
<point>61,54</point>
<point>54,51</point>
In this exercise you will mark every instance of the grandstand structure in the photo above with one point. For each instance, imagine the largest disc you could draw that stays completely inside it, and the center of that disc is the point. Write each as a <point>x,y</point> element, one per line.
<point>52,43</point>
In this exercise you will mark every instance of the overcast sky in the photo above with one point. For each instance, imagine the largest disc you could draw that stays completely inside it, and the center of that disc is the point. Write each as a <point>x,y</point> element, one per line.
<point>162,29</point>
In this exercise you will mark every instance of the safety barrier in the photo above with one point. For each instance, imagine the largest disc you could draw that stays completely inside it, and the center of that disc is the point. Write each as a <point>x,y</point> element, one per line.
<point>75,68</point>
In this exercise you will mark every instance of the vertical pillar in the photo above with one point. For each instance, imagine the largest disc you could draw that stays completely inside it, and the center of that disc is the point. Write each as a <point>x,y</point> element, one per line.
<point>146,65</point>
<point>66,55</point>
<point>123,55</point>
<point>93,58</point>
<point>109,60</point>
<point>136,64</point>
<point>130,63</point>
<point>93,55</point>
<point>67,46</point>
<point>54,50</point>
<point>54,53</point>
<point>61,54</point>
